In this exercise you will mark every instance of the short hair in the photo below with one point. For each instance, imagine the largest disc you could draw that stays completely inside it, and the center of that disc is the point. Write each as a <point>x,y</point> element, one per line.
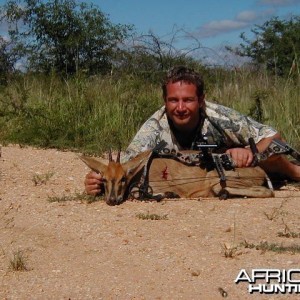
<point>185,74</point>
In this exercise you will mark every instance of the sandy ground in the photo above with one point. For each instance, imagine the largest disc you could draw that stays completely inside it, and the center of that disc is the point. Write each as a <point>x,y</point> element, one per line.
<point>76,250</point>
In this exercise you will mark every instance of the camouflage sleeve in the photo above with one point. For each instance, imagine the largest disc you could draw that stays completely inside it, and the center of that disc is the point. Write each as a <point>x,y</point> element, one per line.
<point>238,127</point>
<point>145,139</point>
<point>256,130</point>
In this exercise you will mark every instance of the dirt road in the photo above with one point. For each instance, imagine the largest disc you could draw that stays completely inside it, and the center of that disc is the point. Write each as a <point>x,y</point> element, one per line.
<point>79,250</point>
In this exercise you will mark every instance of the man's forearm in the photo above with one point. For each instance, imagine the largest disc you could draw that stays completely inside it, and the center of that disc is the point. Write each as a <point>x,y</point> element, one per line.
<point>263,144</point>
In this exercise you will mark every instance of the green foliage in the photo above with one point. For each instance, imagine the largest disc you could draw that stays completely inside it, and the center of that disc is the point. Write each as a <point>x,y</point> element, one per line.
<point>6,61</point>
<point>94,114</point>
<point>69,37</point>
<point>279,99</point>
<point>276,46</point>
<point>256,111</point>
<point>63,35</point>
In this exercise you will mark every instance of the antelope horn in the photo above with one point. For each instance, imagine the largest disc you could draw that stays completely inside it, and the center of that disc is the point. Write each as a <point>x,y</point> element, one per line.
<point>110,156</point>
<point>118,156</point>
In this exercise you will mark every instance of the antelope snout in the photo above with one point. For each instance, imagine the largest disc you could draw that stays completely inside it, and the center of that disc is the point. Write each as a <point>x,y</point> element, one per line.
<point>114,201</point>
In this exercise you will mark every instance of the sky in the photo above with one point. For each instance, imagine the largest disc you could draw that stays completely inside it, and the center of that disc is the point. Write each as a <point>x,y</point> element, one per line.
<point>212,24</point>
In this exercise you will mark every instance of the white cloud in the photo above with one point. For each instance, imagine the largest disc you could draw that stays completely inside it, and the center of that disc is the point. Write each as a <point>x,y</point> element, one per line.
<point>247,16</point>
<point>241,21</point>
<point>216,27</point>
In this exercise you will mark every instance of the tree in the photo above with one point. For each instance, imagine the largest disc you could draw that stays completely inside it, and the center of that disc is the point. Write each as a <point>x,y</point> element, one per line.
<point>63,35</point>
<point>149,56</point>
<point>276,45</point>
<point>7,60</point>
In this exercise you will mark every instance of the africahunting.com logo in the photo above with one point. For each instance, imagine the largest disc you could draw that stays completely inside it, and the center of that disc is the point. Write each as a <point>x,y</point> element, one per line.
<point>271,281</point>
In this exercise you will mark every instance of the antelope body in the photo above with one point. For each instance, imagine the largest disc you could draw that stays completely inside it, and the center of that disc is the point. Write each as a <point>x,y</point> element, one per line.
<point>168,176</point>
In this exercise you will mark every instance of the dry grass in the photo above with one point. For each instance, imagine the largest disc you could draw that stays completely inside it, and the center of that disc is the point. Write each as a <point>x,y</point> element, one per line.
<point>276,212</point>
<point>273,247</point>
<point>149,216</point>
<point>83,197</point>
<point>39,179</point>
<point>18,262</point>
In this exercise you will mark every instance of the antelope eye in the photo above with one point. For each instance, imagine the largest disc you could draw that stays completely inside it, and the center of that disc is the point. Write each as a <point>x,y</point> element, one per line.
<point>123,179</point>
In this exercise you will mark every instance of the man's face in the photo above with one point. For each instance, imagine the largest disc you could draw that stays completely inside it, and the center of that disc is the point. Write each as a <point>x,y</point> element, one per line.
<point>182,105</point>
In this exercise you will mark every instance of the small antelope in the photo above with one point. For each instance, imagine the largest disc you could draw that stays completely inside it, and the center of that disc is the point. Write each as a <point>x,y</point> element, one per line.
<point>167,176</point>
<point>116,176</point>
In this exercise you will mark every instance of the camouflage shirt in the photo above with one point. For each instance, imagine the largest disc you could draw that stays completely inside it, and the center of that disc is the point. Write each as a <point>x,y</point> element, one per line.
<point>221,125</point>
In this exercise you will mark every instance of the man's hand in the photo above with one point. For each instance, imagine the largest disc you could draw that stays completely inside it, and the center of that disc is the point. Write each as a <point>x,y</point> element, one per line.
<point>93,183</point>
<point>242,157</point>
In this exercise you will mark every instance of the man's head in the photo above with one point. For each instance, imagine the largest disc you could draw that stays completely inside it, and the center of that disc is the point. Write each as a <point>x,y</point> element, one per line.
<point>184,74</point>
<point>184,97</point>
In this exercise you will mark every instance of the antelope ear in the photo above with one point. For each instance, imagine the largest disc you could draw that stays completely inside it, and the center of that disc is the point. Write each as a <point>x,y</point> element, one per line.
<point>134,165</point>
<point>94,164</point>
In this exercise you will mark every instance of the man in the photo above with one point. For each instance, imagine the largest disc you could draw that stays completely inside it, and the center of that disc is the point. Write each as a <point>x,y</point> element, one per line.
<point>187,119</point>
